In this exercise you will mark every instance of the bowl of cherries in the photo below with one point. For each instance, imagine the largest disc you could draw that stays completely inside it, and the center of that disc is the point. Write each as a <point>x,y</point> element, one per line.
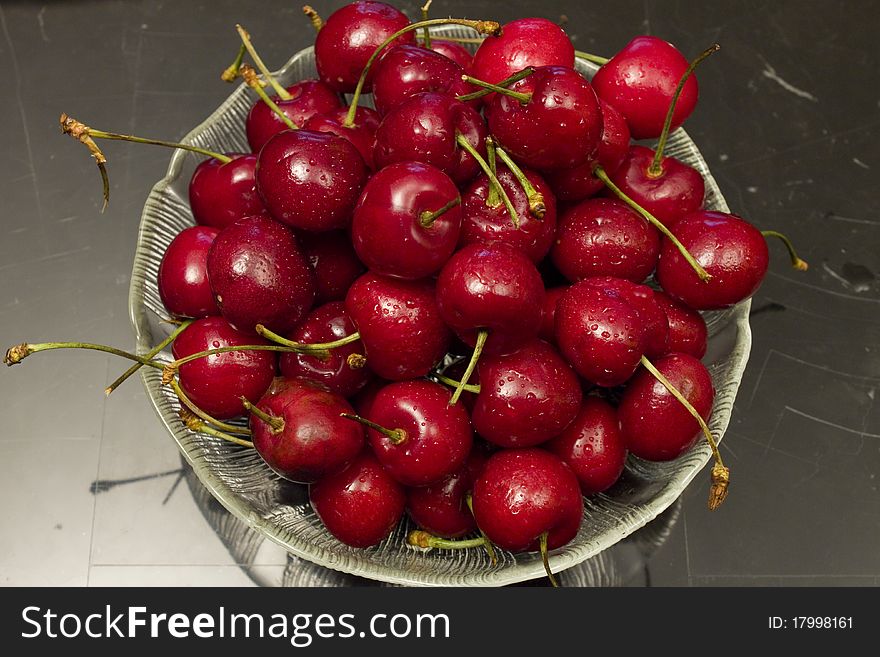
<point>443,302</point>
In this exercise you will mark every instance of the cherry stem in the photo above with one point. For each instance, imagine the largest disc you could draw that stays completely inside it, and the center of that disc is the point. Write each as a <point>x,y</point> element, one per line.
<point>590,57</point>
<point>720,473</point>
<point>453,39</point>
<point>190,406</point>
<point>250,78</point>
<point>506,82</point>
<point>490,549</point>
<point>427,31</point>
<point>277,423</point>
<point>314,17</point>
<point>545,557</point>
<point>535,198</point>
<point>497,88</point>
<point>656,168</point>
<point>396,436</point>
<point>193,423</point>
<point>149,355</point>
<point>174,365</point>
<point>427,218</point>
<point>467,387</point>
<point>16,354</point>
<point>484,27</point>
<point>423,539</point>
<point>472,364</point>
<point>600,173</point>
<point>231,73</point>
<point>319,350</point>
<point>493,179</point>
<point>796,262</point>
<point>493,198</point>
<point>283,94</point>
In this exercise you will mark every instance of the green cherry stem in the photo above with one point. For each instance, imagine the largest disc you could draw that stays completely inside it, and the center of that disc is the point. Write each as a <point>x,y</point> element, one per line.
<point>452,39</point>
<point>796,262</point>
<point>600,173</point>
<point>186,402</point>
<point>283,94</point>
<point>18,353</point>
<point>427,218</point>
<point>427,31</point>
<point>152,353</point>
<point>320,350</point>
<point>493,198</point>
<point>251,79</point>
<point>545,558</point>
<point>193,423</point>
<point>276,423</point>
<point>497,88</point>
<point>314,17</point>
<point>452,383</point>
<point>472,364</point>
<point>231,72</point>
<point>423,539</point>
<point>493,179</point>
<point>396,436</point>
<point>490,549</point>
<point>535,198</point>
<point>590,57</point>
<point>506,82</point>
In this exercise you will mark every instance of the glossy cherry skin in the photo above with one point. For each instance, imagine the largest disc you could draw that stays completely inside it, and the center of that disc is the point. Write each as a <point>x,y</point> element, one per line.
<point>457,52</point>
<point>362,134</point>
<point>526,397</point>
<point>183,274</point>
<point>654,424</point>
<point>483,224</point>
<point>327,323</point>
<point>216,383</point>
<point>336,265</point>
<point>548,318</point>
<point>601,335</point>
<point>438,434</point>
<point>523,493</point>
<point>605,237</point>
<point>310,180</point>
<point>400,325</point>
<point>349,37</point>
<point>424,128</point>
<point>677,191</point>
<point>492,287</point>
<point>387,230</point>
<point>314,440</point>
<point>688,333</point>
<point>221,194</point>
<point>522,42</point>
<point>559,127</point>
<point>442,509</point>
<point>731,250</point>
<point>360,504</point>
<point>592,446</point>
<point>640,81</point>
<point>308,98</point>
<point>259,275</point>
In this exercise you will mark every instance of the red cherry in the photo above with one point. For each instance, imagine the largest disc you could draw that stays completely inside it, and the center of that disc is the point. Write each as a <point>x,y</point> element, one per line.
<point>216,383</point>
<point>183,274</point>
<point>454,51</point>
<point>361,504</point>
<point>222,193</point>
<point>362,134</point>
<point>334,261</point>
<point>548,318</point>
<point>687,328</point>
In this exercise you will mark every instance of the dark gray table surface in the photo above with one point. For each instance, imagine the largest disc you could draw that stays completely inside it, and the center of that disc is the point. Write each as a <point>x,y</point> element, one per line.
<point>788,121</point>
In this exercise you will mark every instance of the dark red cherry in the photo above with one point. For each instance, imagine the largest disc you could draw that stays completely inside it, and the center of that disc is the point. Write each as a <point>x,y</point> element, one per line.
<point>395,229</point>
<point>304,438</point>
<point>688,333</point>
<point>524,493</point>
<point>431,437</point>
<point>360,504</point>
<point>454,51</point>
<point>338,373</point>
<point>605,237</point>
<point>349,37</point>
<point>308,98</point>
<point>310,180</point>
<point>334,261</point>
<point>442,509</point>
<point>548,318</point>
<point>221,194</point>
<point>600,334</point>
<point>560,126</point>
<point>183,274</point>
<point>640,81</point>
<point>400,325</point>
<point>592,446</point>
<point>492,287</point>
<point>216,383</point>
<point>731,250</point>
<point>362,134</point>
<point>526,397</point>
<point>259,275</point>
<point>654,424</point>
<point>483,223</point>
<point>424,129</point>
<point>677,191</point>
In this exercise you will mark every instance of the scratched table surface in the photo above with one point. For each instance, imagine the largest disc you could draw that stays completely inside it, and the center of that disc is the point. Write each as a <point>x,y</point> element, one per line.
<point>95,491</point>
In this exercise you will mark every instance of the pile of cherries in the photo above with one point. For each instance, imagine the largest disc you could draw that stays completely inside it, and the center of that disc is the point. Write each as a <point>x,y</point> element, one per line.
<point>468,304</point>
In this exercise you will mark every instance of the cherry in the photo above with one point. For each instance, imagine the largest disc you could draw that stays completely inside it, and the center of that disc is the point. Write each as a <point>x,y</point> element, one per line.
<point>221,193</point>
<point>454,51</point>
<point>605,237</point>
<point>687,328</point>
<point>259,275</point>
<point>362,133</point>
<point>361,504</point>
<point>425,129</point>
<point>400,325</point>
<point>407,221</point>
<point>298,431</point>
<point>216,383</point>
<point>640,81</point>
<point>729,248</point>
<point>654,424</point>
<point>552,121</point>
<point>342,369</point>
<point>349,37</point>
<point>600,334</point>
<point>592,446</point>
<point>334,261</point>
<point>526,397</point>
<point>183,274</point>
<point>548,318</point>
